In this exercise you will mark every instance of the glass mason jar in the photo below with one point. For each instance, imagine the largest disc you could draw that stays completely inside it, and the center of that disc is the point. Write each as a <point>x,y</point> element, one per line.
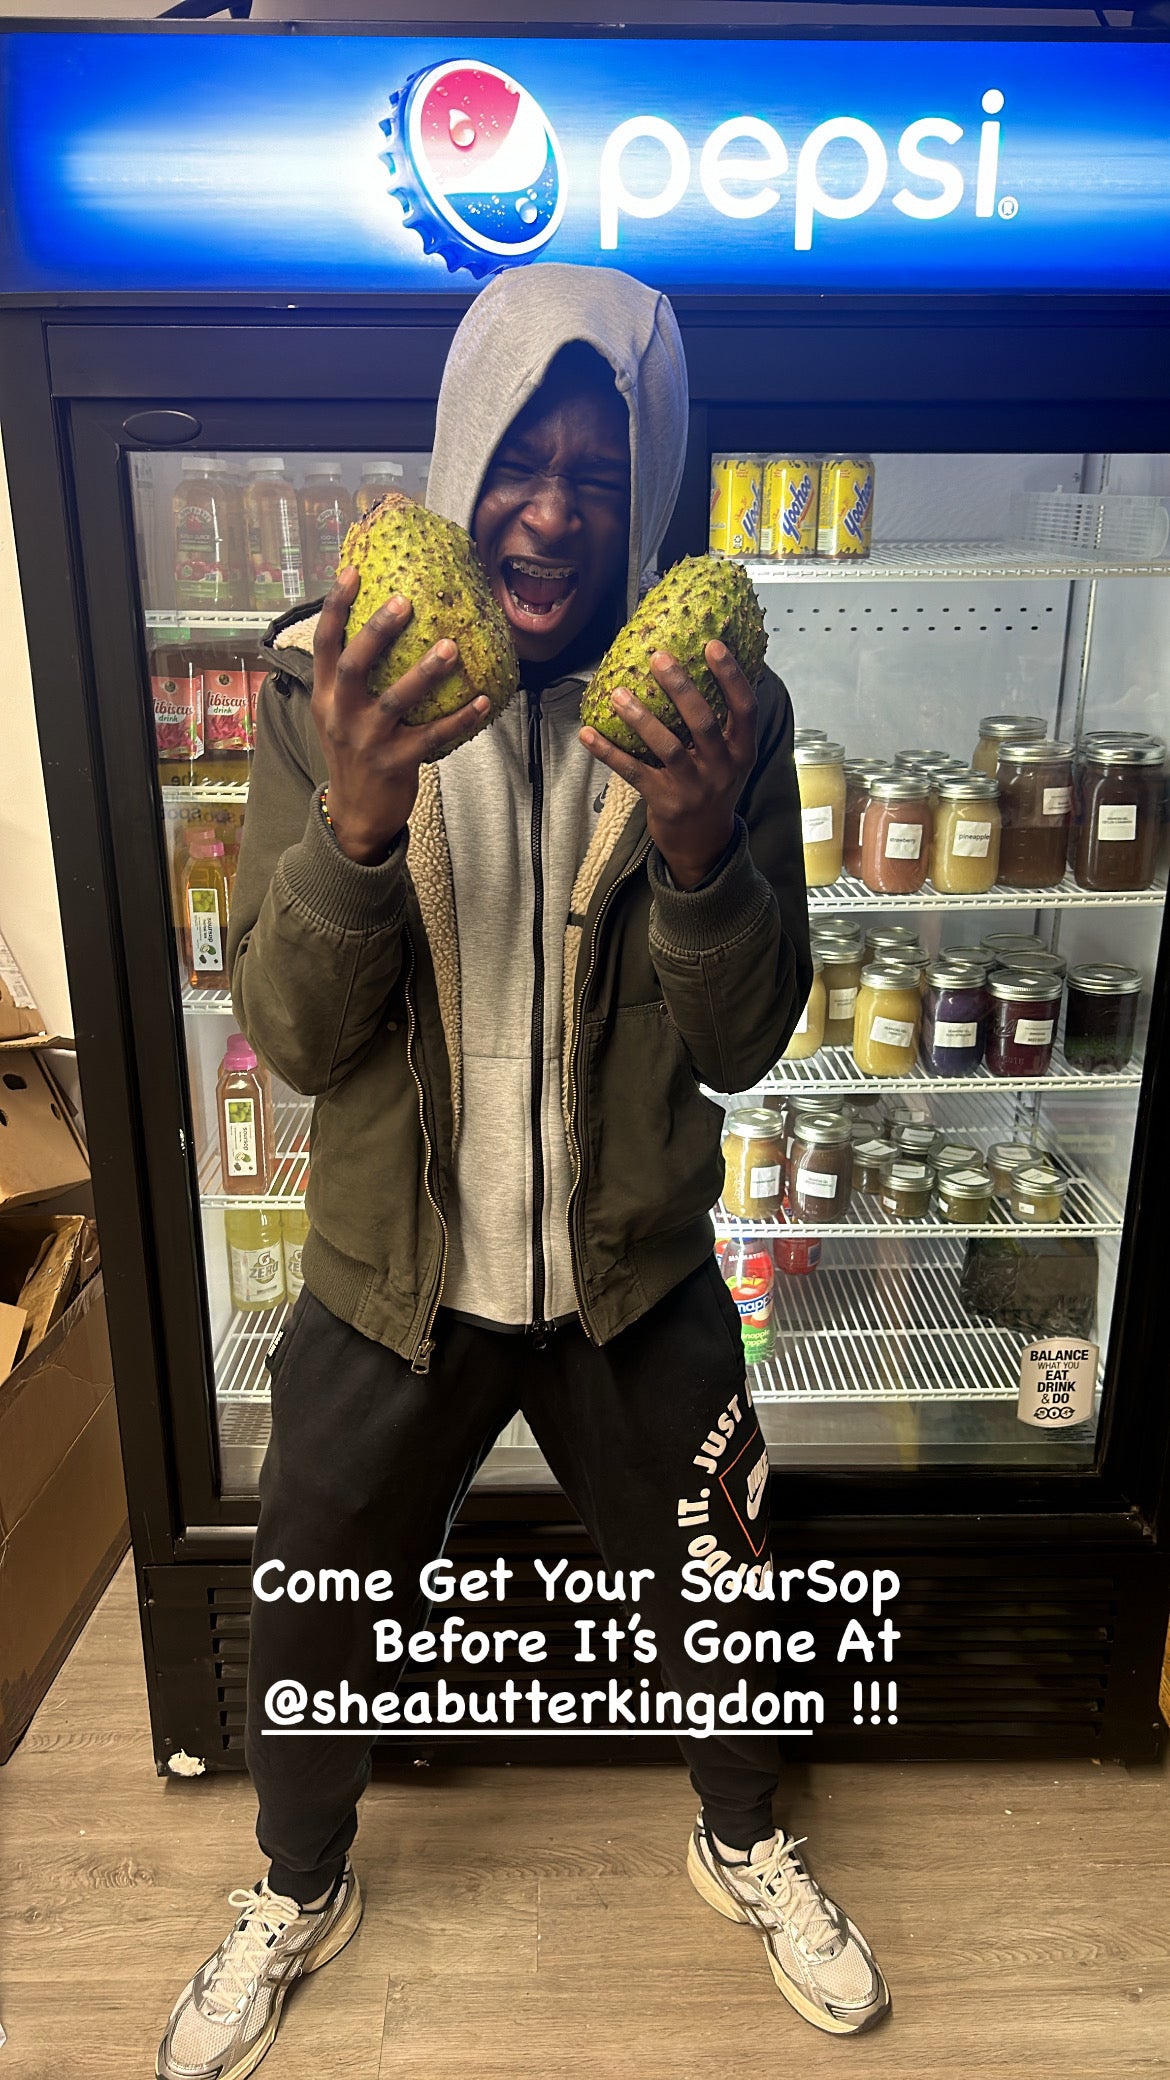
<point>895,836</point>
<point>1000,947</point>
<point>958,1155</point>
<point>906,1188</point>
<point>995,730</point>
<point>964,853</point>
<point>753,1155</point>
<point>1038,1192</point>
<point>1035,803</point>
<point>1119,808</point>
<point>860,775</point>
<point>1024,1012</point>
<point>964,1195</point>
<point>869,1160</point>
<point>919,760</point>
<point>820,776</point>
<point>1101,1019</point>
<point>954,1018</point>
<point>842,959</point>
<point>798,1108</point>
<point>887,1020</point>
<point>808,1035</point>
<point>820,1171</point>
<point>1004,1158</point>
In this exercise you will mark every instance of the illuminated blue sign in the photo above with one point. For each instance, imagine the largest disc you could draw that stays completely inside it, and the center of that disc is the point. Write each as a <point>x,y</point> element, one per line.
<point>156,161</point>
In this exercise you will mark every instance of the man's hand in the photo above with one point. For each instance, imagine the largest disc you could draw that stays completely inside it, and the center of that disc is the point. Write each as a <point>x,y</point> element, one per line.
<point>372,755</point>
<point>691,794</point>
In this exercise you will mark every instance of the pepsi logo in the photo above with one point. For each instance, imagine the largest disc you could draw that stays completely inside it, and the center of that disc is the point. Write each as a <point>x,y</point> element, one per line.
<point>477,166</point>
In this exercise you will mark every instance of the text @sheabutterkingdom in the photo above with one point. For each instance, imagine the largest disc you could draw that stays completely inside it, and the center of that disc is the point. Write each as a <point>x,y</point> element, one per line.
<point>752,1670</point>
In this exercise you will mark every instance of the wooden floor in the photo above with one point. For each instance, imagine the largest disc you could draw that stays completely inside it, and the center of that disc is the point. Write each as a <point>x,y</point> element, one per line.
<point>522,1924</point>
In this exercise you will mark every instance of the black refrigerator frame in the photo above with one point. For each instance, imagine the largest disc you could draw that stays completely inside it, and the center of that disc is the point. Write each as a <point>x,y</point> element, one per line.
<point>1035,1602</point>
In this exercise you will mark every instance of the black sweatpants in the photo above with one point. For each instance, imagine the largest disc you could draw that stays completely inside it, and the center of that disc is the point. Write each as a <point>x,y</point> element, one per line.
<point>367,1466</point>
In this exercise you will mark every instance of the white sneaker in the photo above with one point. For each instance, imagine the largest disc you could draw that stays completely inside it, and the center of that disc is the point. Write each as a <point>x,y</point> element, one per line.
<point>821,1963</point>
<point>227,2016</point>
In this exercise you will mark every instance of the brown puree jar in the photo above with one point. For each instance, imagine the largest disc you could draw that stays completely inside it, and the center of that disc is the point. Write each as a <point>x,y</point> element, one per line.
<point>1119,802</point>
<point>1035,806</point>
<point>895,835</point>
<point>820,1177</point>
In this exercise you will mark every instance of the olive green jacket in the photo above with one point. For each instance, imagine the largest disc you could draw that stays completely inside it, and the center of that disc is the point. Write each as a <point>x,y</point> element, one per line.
<point>346,980</point>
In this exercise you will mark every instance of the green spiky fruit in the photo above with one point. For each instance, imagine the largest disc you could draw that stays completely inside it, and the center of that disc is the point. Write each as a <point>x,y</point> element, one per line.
<point>703,599</point>
<point>399,546</point>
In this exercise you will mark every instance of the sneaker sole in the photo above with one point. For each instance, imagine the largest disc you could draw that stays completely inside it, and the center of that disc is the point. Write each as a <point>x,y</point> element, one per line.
<point>339,1935</point>
<point>710,1890</point>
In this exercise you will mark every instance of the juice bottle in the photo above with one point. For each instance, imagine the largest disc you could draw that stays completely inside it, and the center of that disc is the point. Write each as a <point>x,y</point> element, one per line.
<point>227,715</point>
<point>294,1226</point>
<point>205,906</point>
<point>257,671</point>
<point>748,1272</point>
<point>326,517</point>
<point>255,1261</point>
<point>247,1137</point>
<point>208,535</point>
<point>276,562</point>
<point>176,691</point>
<point>379,475</point>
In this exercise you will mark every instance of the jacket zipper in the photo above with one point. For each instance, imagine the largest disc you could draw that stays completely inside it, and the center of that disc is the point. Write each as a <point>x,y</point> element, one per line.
<point>576,1195</point>
<point>424,1349</point>
<point>536,1043</point>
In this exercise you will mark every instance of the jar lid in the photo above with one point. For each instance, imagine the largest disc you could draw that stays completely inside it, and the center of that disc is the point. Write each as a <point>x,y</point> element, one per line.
<point>900,787</point>
<point>1032,960</point>
<point>964,787</point>
<point>1012,726</point>
<point>972,1183</point>
<point>901,1171</point>
<point>868,769</point>
<point>875,1150</point>
<point>753,1121</point>
<point>956,974</point>
<point>889,974</point>
<point>832,927</point>
<point>958,1155</point>
<point>911,1133</point>
<point>893,935</point>
<point>1018,985</point>
<point>997,942</point>
<point>1151,752</point>
<point>1103,979</point>
<point>819,751</point>
<point>823,1130</point>
<point>1040,1178</point>
<point>920,757</point>
<point>1033,751</point>
<point>807,736</point>
<point>1117,736</point>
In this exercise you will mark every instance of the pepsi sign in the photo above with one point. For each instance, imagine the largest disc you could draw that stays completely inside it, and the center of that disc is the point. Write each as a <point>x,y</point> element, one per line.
<point>140,160</point>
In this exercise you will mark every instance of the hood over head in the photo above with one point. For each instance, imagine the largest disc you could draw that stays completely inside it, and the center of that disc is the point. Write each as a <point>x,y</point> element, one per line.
<point>501,354</point>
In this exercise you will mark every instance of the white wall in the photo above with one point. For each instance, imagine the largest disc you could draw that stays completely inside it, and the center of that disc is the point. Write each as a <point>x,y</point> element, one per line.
<point>29,916</point>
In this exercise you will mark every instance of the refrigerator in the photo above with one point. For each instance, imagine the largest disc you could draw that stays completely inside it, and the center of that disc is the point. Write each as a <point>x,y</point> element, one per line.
<point>233,263</point>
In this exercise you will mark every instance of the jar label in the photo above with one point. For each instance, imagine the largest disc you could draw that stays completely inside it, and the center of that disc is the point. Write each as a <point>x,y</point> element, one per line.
<point>240,1135</point>
<point>206,931</point>
<point>1056,801</point>
<point>764,1181</point>
<point>971,840</point>
<point>892,1032</point>
<point>872,1148</point>
<point>911,1170</point>
<point>904,841</point>
<point>816,1184</point>
<point>948,1034</point>
<point>1117,822</point>
<point>968,1177</point>
<point>817,824</point>
<point>1057,1383</point>
<point>1034,1032</point>
<point>842,1003</point>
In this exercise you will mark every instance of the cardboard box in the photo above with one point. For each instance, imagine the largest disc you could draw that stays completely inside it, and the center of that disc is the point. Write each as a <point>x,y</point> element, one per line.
<point>21,1024</point>
<point>41,1152</point>
<point>62,1502</point>
<point>40,1271</point>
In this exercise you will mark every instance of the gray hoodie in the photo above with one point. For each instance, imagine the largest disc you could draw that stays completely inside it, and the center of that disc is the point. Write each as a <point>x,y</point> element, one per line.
<point>520,803</point>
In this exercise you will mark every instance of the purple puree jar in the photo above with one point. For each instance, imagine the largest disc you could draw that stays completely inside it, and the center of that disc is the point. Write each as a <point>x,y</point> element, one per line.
<point>954,1018</point>
<point>1024,1011</point>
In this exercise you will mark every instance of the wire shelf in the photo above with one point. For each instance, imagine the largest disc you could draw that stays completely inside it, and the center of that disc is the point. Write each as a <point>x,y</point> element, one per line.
<point>212,620</point>
<point>1089,1209</point>
<point>851,894</point>
<point>291,1118</point>
<point>834,1068</point>
<point>206,1003</point>
<point>863,1330</point>
<point>924,562</point>
<point>232,792</point>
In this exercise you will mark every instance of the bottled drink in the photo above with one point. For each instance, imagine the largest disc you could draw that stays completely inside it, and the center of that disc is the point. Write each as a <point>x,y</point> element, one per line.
<point>326,517</point>
<point>227,714</point>
<point>380,475</point>
<point>209,536</point>
<point>205,909</point>
<point>749,1274</point>
<point>275,559</point>
<point>294,1226</point>
<point>176,691</point>
<point>255,1260</point>
<point>247,1139</point>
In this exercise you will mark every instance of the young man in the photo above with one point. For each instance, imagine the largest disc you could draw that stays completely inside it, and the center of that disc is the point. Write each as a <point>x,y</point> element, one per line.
<point>503,978</point>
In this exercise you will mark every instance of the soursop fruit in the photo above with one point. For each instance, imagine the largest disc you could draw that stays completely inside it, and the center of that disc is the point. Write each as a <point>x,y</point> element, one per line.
<point>701,600</point>
<point>399,546</point>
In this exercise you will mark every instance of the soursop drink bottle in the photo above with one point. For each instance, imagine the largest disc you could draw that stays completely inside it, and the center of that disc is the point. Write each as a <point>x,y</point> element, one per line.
<point>205,911</point>
<point>326,518</point>
<point>255,1260</point>
<point>247,1138</point>
<point>275,557</point>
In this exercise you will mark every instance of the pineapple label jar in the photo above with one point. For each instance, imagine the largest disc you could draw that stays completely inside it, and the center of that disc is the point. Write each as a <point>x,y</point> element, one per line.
<point>809,1034</point>
<point>820,776</point>
<point>887,1020</point>
<point>995,730</point>
<point>964,853</point>
<point>753,1156</point>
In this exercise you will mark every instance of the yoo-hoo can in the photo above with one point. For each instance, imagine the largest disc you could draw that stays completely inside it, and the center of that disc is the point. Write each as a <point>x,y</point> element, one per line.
<point>788,521</point>
<point>736,497</point>
<point>845,526</point>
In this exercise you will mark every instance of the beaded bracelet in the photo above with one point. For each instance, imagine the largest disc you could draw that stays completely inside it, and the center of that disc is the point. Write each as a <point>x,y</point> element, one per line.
<point>324,798</point>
